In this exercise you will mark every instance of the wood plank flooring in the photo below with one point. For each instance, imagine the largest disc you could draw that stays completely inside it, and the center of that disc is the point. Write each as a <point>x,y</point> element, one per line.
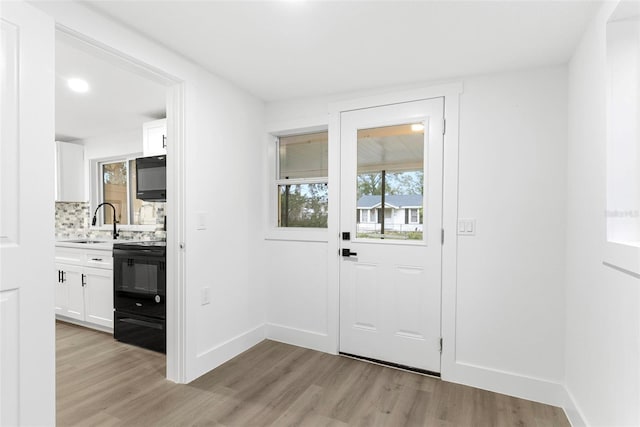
<point>101,382</point>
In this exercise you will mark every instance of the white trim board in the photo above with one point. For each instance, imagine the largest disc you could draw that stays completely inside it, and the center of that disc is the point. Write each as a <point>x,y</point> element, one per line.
<point>84,324</point>
<point>176,312</point>
<point>436,91</point>
<point>226,351</point>
<point>524,387</point>
<point>299,337</point>
<point>509,383</point>
<point>450,92</point>
<point>574,413</point>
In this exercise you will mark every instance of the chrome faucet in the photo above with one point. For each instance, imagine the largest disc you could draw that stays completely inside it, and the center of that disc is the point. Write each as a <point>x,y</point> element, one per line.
<point>93,221</point>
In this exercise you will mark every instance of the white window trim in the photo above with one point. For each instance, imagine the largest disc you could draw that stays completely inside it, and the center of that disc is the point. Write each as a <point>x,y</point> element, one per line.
<point>96,195</point>
<point>272,231</point>
<point>623,256</point>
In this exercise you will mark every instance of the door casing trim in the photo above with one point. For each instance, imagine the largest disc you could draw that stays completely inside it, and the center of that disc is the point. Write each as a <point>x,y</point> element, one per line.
<point>451,93</point>
<point>175,102</point>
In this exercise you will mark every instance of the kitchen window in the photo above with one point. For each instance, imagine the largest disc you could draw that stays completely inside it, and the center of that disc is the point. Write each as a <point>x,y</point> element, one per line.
<point>301,180</point>
<point>117,185</point>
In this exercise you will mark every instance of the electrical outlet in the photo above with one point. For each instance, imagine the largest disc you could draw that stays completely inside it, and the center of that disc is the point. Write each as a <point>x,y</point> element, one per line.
<point>205,297</point>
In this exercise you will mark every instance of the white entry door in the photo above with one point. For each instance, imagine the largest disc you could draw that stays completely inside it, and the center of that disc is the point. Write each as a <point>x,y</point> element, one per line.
<point>27,147</point>
<point>391,208</point>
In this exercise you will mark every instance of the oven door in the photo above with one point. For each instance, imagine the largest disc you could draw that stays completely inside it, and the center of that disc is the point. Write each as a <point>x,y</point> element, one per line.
<point>140,331</point>
<point>139,284</point>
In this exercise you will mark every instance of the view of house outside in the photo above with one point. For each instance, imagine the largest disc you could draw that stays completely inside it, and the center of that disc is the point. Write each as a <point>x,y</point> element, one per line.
<point>390,181</point>
<point>401,217</point>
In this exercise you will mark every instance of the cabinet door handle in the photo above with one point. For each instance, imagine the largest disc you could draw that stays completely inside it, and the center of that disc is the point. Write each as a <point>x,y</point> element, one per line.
<point>96,259</point>
<point>84,276</point>
<point>164,141</point>
<point>64,277</point>
<point>59,276</point>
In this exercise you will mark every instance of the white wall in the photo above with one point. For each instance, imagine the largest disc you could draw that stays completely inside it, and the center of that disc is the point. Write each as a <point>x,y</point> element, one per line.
<point>106,146</point>
<point>512,181</point>
<point>222,124</point>
<point>510,290</point>
<point>603,304</point>
<point>117,144</point>
<point>297,295</point>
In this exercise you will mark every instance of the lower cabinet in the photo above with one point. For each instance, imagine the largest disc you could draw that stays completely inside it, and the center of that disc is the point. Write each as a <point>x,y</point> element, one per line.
<point>69,291</point>
<point>84,294</point>
<point>98,297</point>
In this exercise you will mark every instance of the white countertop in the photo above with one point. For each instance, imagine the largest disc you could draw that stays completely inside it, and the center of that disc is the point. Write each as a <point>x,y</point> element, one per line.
<point>96,244</point>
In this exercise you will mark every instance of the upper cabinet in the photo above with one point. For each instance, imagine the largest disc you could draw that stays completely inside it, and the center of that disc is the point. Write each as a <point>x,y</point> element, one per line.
<point>69,172</point>
<point>154,137</point>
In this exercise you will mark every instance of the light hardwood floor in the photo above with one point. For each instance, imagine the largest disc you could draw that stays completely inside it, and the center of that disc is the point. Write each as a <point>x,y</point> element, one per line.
<point>103,382</point>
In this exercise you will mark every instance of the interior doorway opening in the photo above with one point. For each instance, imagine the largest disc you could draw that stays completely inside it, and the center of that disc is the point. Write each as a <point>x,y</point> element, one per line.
<point>121,98</point>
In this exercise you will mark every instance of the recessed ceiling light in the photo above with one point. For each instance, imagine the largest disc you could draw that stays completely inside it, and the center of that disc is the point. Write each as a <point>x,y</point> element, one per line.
<point>78,85</point>
<point>417,127</point>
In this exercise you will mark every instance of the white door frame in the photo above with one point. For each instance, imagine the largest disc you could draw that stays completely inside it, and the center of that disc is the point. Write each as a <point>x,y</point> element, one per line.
<point>176,333</point>
<point>451,93</point>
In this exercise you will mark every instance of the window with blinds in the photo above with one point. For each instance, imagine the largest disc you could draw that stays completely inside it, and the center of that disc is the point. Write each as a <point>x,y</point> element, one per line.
<point>302,180</point>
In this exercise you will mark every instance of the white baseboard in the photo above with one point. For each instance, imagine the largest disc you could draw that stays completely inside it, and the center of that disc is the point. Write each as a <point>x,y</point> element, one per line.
<point>524,387</point>
<point>573,412</point>
<point>530,388</point>
<point>213,357</point>
<point>85,324</point>
<point>300,337</point>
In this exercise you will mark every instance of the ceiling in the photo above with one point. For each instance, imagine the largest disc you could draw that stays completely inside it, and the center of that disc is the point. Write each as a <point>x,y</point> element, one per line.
<point>289,49</point>
<point>118,100</point>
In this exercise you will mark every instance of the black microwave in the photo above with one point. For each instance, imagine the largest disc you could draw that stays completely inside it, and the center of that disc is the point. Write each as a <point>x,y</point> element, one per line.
<point>151,178</point>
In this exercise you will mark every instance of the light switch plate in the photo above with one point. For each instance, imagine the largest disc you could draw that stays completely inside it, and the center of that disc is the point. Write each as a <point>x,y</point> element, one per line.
<point>201,220</point>
<point>205,296</point>
<point>466,227</point>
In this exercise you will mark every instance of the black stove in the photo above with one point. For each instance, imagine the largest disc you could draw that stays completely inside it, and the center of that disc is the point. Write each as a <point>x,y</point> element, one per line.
<point>135,245</point>
<point>139,292</point>
<point>144,243</point>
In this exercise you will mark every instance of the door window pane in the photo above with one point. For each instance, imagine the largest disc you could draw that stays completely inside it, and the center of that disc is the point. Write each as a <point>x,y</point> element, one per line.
<point>390,181</point>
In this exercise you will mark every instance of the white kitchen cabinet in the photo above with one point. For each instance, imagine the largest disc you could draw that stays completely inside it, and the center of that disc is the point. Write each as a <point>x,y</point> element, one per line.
<point>84,287</point>
<point>61,298</point>
<point>154,138</point>
<point>98,296</point>
<point>69,172</point>
<point>69,293</point>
